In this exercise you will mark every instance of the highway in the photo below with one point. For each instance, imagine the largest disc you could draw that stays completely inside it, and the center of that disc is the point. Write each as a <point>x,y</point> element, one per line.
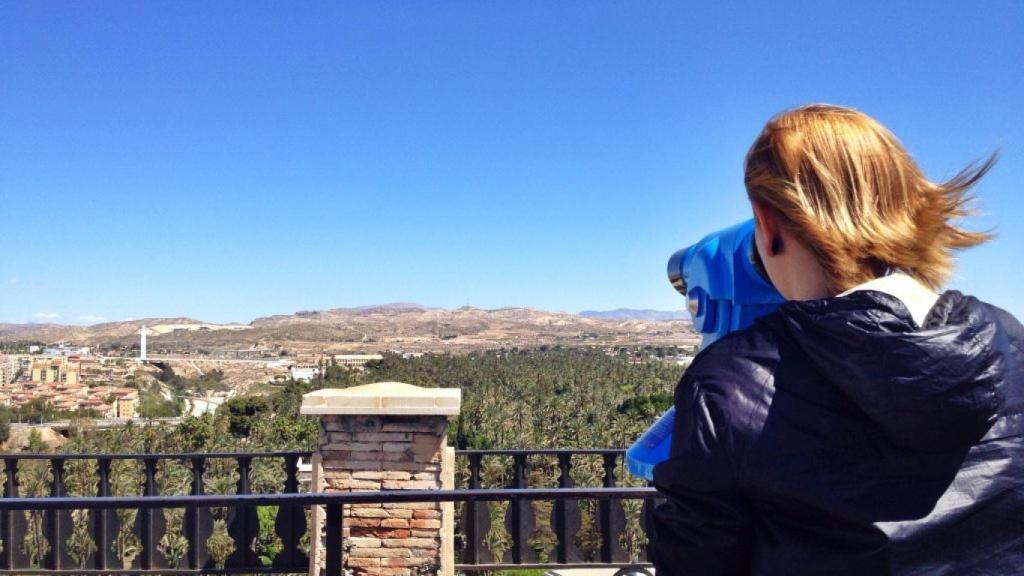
<point>63,425</point>
<point>150,358</point>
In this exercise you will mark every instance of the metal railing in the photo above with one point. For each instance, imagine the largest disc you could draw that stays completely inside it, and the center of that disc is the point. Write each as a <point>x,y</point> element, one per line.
<point>566,520</point>
<point>244,515</point>
<point>34,542</point>
<point>333,503</point>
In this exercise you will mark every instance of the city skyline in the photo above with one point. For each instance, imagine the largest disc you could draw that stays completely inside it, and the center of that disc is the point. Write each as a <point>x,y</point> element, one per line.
<point>202,161</point>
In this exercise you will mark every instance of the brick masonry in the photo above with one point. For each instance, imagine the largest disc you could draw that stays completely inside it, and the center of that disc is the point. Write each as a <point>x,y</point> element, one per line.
<point>360,452</point>
<point>387,436</point>
<point>387,453</point>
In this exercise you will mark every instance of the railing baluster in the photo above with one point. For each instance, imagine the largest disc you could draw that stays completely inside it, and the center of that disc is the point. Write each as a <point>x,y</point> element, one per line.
<point>194,517</point>
<point>612,517</point>
<point>291,520</point>
<point>647,513</point>
<point>101,517</point>
<point>242,519</point>
<point>7,517</point>
<point>476,519</point>
<point>149,539</point>
<point>250,518</point>
<point>55,518</point>
<point>519,520</point>
<point>333,544</point>
<point>566,516</point>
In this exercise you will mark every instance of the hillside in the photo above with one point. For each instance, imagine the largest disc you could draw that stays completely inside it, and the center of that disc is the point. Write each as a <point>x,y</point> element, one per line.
<point>404,326</point>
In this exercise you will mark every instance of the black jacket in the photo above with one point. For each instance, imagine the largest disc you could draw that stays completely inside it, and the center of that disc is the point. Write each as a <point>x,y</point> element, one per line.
<point>836,437</point>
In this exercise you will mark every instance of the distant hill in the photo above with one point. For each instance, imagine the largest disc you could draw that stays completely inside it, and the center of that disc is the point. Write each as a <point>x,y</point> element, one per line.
<point>402,326</point>
<point>634,314</point>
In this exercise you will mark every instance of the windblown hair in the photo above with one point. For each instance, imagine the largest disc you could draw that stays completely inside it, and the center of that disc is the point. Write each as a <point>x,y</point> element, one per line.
<point>846,188</point>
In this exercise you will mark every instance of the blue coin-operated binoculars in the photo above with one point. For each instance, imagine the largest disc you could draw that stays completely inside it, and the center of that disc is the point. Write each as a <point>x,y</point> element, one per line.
<point>726,290</point>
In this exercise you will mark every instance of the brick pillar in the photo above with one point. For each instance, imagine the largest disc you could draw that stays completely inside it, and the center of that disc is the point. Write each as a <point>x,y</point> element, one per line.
<point>386,436</point>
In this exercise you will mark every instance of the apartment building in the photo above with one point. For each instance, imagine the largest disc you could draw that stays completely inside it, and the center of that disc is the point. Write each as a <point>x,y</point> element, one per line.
<point>64,370</point>
<point>9,366</point>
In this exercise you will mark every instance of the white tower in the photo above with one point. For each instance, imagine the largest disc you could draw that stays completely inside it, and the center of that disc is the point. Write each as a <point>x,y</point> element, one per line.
<point>142,346</point>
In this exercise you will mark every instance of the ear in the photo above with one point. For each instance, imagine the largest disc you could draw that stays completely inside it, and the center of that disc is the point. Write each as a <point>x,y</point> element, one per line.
<point>767,223</point>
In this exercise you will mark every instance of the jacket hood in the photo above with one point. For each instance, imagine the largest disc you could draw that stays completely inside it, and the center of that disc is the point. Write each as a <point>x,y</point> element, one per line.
<point>933,387</point>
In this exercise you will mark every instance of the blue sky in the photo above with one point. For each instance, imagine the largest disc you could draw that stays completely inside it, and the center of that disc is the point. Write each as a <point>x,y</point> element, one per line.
<point>227,160</point>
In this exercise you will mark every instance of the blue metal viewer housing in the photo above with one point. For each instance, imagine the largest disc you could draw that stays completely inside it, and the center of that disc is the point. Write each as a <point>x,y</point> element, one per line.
<point>725,291</point>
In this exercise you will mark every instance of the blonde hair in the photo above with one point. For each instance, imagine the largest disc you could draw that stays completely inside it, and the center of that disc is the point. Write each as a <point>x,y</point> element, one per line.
<point>846,188</point>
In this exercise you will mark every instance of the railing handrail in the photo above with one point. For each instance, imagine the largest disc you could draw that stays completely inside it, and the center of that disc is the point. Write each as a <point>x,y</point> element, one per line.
<point>539,451</point>
<point>284,453</point>
<point>146,455</point>
<point>323,498</point>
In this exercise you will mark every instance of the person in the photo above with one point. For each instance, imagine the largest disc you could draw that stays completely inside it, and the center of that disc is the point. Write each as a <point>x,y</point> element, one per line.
<point>871,425</point>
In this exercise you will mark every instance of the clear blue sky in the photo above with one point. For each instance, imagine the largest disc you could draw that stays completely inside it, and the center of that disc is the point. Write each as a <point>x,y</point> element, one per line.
<point>226,160</point>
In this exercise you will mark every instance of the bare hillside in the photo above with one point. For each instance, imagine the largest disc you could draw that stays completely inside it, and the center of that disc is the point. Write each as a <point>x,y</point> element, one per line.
<point>406,327</point>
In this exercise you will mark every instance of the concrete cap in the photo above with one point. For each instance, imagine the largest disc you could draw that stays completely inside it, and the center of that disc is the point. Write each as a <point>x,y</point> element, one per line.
<point>394,398</point>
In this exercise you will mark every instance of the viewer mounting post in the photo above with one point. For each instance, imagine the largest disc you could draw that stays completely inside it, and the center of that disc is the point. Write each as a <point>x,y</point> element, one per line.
<point>381,437</point>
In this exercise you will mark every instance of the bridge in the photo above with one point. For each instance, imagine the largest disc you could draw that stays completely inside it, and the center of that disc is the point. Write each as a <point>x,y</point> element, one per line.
<point>102,423</point>
<point>161,358</point>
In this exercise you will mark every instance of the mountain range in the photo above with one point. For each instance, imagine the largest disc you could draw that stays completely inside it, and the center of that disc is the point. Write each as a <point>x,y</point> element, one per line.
<point>402,326</point>
<point>634,314</point>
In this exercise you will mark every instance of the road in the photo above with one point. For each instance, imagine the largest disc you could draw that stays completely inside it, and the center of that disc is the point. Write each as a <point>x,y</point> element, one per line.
<point>205,359</point>
<point>61,425</point>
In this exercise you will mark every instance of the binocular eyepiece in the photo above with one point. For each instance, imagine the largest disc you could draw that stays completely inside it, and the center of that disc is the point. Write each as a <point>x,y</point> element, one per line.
<point>724,282</point>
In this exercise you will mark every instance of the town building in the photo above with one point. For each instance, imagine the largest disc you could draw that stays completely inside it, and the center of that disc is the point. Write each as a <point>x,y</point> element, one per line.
<point>62,369</point>
<point>354,360</point>
<point>280,363</point>
<point>304,372</point>
<point>9,367</point>
<point>123,401</point>
<point>682,359</point>
<point>105,401</point>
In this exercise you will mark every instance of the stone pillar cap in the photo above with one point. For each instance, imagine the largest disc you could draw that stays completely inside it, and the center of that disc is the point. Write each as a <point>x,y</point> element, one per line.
<point>383,398</point>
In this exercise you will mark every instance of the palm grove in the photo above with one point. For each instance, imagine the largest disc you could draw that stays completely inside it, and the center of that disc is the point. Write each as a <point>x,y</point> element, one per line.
<point>547,398</point>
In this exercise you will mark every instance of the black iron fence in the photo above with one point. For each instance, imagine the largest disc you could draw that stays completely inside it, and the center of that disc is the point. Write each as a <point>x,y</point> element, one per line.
<point>577,531</point>
<point>165,539</point>
<point>245,513</point>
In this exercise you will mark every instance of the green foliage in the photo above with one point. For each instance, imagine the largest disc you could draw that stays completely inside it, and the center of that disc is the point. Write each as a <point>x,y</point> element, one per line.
<point>212,381</point>
<point>36,445</point>
<point>80,544</point>
<point>173,478</point>
<point>266,475</point>
<point>39,410</point>
<point>152,404</point>
<point>80,479</point>
<point>126,480</point>
<point>242,413</point>
<point>201,433</point>
<point>173,544</point>
<point>220,544</point>
<point>19,346</point>
<point>5,423</point>
<point>34,479</point>
<point>288,399</point>
<point>559,397</point>
<point>649,406</point>
<point>268,543</point>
